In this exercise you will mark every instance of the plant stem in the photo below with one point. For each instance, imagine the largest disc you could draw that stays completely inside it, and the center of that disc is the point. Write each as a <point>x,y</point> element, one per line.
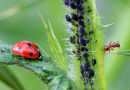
<point>87,45</point>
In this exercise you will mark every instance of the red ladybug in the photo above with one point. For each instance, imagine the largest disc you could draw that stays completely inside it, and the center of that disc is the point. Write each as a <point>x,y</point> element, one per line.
<point>26,49</point>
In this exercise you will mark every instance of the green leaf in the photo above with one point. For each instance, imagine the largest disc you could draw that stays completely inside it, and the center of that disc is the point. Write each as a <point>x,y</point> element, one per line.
<point>45,69</point>
<point>55,46</point>
<point>125,52</point>
<point>7,77</point>
<point>17,8</point>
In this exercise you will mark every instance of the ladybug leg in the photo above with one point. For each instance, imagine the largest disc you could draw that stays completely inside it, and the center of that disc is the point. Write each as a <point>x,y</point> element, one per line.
<point>40,57</point>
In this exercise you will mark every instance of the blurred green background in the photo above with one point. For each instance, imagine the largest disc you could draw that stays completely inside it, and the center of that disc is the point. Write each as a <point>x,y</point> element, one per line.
<point>27,25</point>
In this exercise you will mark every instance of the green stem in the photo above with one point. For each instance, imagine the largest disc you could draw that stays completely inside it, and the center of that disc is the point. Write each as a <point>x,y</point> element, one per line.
<point>95,45</point>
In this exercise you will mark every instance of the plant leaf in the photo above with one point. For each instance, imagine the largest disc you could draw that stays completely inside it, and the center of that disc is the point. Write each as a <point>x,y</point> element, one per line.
<point>55,46</point>
<point>7,76</point>
<point>45,69</point>
<point>125,52</point>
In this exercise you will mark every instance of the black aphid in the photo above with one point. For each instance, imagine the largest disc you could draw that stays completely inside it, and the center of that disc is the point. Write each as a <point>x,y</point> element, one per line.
<point>82,69</point>
<point>86,65</point>
<point>85,55</point>
<point>73,52</point>
<point>93,61</point>
<point>68,18</point>
<point>74,16</point>
<point>81,22</point>
<point>90,73</point>
<point>83,41</point>
<point>84,49</point>
<point>80,7</point>
<point>72,39</point>
<point>89,9</point>
<point>91,32</point>
<point>66,2</point>
<point>81,17</point>
<point>73,5</point>
<point>82,30</point>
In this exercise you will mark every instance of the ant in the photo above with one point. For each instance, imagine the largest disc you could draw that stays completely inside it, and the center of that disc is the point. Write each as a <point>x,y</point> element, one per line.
<point>111,46</point>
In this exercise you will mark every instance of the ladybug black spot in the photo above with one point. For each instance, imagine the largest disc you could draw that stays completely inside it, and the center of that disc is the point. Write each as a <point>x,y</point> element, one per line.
<point>19,49</point>
<point>31,54</point>
<point>28,44</point>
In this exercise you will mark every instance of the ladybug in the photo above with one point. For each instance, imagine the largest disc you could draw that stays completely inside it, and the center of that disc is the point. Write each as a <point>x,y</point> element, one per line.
<point>26,49</point>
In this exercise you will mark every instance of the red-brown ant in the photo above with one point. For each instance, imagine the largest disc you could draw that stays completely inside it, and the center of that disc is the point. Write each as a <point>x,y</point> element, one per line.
<point>111,46</point>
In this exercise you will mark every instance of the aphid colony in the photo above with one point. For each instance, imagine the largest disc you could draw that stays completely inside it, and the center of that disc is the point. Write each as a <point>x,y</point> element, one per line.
<point>80,37</point>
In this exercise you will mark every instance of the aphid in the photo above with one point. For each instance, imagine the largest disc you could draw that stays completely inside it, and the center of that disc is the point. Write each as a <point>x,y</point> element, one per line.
<point>82,30</point>
<point>79,57</point>
<point>73,52</point>
<point>72,39</point>
<point>86,66</point>
<point>90,73</point>
<point>66,2</point>
<point>82,69</point>
<point>93,61</point>
<point>26,49</point>
<point>74,16</point>
<point>83,41</point>
<point>81,17</point>
<point>68,18</point>
<point>91,32</point>
<point>73,5</point>
<point>89,9</point>
<point>80,7</point>
<point>81,22</point>
<point>85,55</point>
